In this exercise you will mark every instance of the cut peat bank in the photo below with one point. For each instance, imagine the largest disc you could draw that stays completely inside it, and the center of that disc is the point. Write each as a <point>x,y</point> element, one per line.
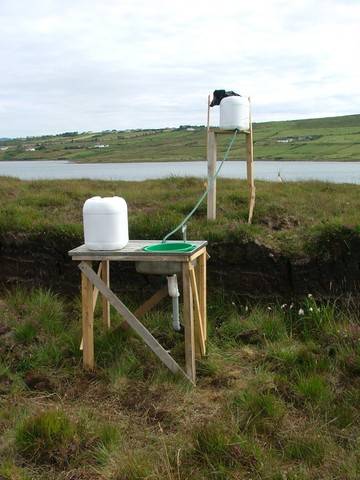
<point>304,237</point>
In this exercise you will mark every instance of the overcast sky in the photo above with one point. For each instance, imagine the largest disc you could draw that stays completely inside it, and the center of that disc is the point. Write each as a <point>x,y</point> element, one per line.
<point>102,64</point>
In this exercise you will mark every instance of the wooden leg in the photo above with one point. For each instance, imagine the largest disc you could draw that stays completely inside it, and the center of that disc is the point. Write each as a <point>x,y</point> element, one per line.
<point>94,298</point>
<point>87,321</point>
<point>105,277</point>
<point>188,318</point>
<point>201,275</point>
<point>199,333</point>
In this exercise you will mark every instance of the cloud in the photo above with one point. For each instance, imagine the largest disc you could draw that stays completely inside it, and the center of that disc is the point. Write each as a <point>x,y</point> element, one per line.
<point>92,65</point>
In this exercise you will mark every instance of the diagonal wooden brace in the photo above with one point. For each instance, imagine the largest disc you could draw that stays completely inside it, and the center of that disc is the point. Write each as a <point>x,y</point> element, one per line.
<point>148,305</point>
<point>134,323</point>
<point>152,302</point>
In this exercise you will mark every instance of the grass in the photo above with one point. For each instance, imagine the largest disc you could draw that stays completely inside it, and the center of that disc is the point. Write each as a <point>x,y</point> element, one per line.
<point>309,450</point>
<point>334,138</point>
<point>261,411</point>
<point>46,438</point>
<point>313,389</point>
<point>271,400</point>
<point>52,438</point>
<point>295,358</point>
<point>309,218</point>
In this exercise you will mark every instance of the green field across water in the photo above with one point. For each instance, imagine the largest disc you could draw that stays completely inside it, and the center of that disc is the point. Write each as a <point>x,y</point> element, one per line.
<point>333,138</point>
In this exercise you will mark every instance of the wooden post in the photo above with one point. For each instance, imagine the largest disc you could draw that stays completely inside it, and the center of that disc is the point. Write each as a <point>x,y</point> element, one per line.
<point>207,126</point>
<point>105,277</point>
<point>87,321</point>
<point>207,143</point>
<point>211,158</point>
<point>250,167</point>
<point>188,318</point>
<point>208,114</point>
<point>95,295</point>
<point>201,275</point>
<point>199,331</point>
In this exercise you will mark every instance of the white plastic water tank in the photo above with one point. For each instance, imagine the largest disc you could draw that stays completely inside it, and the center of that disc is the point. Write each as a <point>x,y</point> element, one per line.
<point>105,223</point>
<point>234,113</point>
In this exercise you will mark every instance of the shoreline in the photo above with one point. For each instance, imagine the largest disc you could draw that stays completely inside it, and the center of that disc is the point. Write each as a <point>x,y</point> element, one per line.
<point>82,162</point>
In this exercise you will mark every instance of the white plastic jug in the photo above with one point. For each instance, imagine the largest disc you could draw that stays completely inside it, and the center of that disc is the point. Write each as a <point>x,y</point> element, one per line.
<point>234,113</point>
<point>105,223</point>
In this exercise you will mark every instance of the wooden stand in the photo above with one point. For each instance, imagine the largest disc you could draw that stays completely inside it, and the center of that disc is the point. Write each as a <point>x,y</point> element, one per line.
<point>212,159</point>
<point>193,267</point>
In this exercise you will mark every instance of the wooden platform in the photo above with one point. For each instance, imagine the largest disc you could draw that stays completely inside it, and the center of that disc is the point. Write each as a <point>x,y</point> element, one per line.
<point>211,148</point>
<point>134,252</point>
<point>193,268</point>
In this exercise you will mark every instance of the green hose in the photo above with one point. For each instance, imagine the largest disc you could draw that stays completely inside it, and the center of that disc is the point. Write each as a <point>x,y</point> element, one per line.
<point>199,202</point>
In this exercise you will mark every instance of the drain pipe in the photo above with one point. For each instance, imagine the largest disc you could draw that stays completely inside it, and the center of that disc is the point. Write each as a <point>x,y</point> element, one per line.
<point>174,294</point>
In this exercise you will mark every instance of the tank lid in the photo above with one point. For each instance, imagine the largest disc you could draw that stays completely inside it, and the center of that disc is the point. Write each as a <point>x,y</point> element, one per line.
<point>235,100</point>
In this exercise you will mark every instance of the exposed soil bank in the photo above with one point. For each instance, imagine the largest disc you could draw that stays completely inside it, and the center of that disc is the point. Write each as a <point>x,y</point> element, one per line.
<point>244,268</point>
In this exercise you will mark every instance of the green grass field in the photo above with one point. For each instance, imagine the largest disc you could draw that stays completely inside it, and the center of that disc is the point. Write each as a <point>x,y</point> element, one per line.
<point>335,138</point>
<point>293,218</point>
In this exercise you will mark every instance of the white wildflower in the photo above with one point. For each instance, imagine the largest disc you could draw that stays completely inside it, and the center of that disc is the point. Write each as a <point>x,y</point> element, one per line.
<point>246,308</point>
<point>311,309</point>
<point>301,311</point>
<point>291,306</point>
<point>269,308</point>
<point>284,305</point>
<point>309,295</point>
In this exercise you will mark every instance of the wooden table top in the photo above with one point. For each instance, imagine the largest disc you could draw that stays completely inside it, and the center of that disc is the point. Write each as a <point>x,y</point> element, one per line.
<point>133,251</point>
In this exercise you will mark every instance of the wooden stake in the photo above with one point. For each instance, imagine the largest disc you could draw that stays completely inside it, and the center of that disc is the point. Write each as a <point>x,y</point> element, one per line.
<point>207,135</point>
<point>211,158</point>
<point>199,324</point>
<point>208,113</point>
<point>250,167</point>
<point>201,275</point>
<point>208,126</point>
<point>188,319</point>
<point>87,320</point>
<point>105,276</point>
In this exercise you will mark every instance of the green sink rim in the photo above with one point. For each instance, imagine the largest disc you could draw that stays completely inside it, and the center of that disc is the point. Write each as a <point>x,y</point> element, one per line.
<point>173,247</point>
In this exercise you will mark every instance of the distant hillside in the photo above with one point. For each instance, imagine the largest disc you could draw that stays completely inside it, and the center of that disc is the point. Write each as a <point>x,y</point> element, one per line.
<point>333,138</point>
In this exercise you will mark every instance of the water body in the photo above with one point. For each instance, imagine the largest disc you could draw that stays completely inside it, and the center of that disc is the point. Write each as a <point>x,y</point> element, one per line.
<point>337,172</point>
